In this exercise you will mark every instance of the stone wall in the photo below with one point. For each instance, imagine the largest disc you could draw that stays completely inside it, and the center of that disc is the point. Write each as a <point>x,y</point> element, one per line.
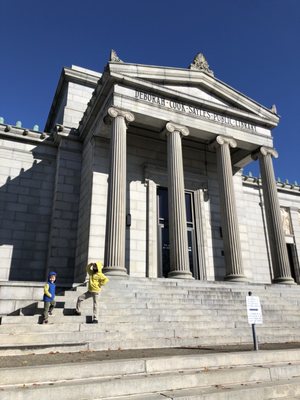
<point>74,90</point>
<point>64,221</point>
<point>254,215</point>
<point>27,176</point>
<point>39,200</point>
<point>83,226</point>
<point>76,103</point>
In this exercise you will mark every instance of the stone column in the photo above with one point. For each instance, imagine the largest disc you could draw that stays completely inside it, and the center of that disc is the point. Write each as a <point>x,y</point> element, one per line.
<point>230,227</point>
<point>114,260</point>
<point>279,255</point>
<point>179,259</point>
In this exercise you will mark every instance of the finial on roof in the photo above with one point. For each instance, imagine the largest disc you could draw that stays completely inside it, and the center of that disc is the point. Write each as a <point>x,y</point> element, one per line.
<point>274,109</point>
<point>114,56</point>
<point>201,64</point>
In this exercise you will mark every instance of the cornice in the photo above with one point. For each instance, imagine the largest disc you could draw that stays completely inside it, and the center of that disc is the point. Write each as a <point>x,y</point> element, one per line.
<point>151,78</point>
<point>25,135</point>
<point>293,188</point>
<point>74,75</point>
<point>68,75</point>
<point>155,88</point>
<point>97,102</point>
<point>179,75</point>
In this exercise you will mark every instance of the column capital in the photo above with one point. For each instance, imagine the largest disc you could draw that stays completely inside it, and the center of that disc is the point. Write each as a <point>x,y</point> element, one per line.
<point>264,151</point>
<point>114,112</point>
<point>173,127</point>
<point>221,140</point>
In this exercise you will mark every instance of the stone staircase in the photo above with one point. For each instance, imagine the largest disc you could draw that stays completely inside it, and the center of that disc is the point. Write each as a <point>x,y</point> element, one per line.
<point>143,313</point>
<point>209,376</point>
<point>138,314</point>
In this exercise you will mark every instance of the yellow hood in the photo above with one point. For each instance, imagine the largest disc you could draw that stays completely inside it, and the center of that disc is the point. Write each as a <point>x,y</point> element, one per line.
<point>96,281</point>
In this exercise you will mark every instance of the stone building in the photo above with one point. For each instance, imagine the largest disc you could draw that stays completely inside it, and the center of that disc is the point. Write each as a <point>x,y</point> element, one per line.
<point>141,167</point>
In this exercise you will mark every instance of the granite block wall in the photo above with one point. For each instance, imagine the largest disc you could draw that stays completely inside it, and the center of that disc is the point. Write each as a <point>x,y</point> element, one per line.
<point>83,226</point>
<point>27,174</point>
<point>64,220</point>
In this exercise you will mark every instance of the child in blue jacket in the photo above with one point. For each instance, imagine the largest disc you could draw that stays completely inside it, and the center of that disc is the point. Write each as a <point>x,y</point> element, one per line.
<point>49,296</point>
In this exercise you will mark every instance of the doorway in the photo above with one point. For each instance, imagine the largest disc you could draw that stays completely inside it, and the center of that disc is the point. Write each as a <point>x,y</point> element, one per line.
<point>163,233</point>
<point>291,249</point>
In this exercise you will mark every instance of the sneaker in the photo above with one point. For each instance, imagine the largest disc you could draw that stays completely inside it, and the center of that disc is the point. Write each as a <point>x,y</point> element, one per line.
<point>77,312</point>
<point>95,321</point>
<point>45,321</point>
<point>51,313</point>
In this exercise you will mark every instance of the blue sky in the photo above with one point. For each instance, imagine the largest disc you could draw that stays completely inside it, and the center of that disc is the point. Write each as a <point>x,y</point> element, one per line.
<point>252,45</point>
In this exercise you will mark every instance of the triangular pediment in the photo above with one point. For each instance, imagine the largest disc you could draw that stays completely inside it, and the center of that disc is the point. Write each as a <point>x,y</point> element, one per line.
<point>191,85</point>
<point>198,93</point>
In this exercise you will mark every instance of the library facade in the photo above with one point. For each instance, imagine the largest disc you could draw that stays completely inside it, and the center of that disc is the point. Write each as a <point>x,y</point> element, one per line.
<point>141,167</point>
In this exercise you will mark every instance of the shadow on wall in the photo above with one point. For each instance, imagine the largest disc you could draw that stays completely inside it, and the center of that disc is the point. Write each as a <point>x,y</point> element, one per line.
<point>25,214</point>
<point>38,213</point>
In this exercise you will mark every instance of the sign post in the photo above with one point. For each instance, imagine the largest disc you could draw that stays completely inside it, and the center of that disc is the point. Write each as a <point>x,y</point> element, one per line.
<point>254,315</point>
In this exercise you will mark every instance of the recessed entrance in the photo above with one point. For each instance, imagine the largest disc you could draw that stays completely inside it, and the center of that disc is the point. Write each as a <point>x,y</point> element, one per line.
<point>163,233</point>
<point>292,260</point>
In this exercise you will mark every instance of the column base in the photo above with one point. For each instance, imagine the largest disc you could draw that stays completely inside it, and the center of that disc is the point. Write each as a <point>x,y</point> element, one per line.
<point>180,275</point>
<point>284,280</point>
<point>115,271</point>
<point>235,278</point>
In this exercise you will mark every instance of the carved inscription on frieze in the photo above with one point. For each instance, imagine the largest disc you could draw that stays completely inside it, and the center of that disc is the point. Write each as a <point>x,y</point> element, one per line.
<point>192,110</point>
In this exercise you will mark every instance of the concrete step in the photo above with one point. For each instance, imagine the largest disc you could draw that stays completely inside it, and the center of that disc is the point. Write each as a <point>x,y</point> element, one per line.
<point>163,293</point>
<point>201,289</point>
<point>94,337</point>
<point>155,303</point>
<point>286,361</point>
<point>14,333</point>
<point>149,316</point>
<point>197,342</point>
<point>135,318</point>
<point>283,390</point>
<point>91,332</point>
<point>164,312</point>
<point>103,325</point>
<point>34,319</point>
<point>63,325</point>
<point>122,344</point>
<point>170,376</point>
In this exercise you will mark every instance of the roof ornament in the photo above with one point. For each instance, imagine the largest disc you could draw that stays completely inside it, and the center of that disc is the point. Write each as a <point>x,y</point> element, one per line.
<point>201,64</point>
<point>274,109</point>
<point>114,57</point>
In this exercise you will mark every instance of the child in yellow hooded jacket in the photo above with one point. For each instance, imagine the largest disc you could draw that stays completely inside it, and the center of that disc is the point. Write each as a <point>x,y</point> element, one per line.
<point>96,280</point>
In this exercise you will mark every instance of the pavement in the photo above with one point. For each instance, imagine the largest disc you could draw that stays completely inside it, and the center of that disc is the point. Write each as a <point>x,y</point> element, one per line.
<point>91,356</point>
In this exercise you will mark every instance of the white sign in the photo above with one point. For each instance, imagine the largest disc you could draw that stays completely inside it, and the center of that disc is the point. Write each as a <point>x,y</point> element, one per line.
<point>254,310</point>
